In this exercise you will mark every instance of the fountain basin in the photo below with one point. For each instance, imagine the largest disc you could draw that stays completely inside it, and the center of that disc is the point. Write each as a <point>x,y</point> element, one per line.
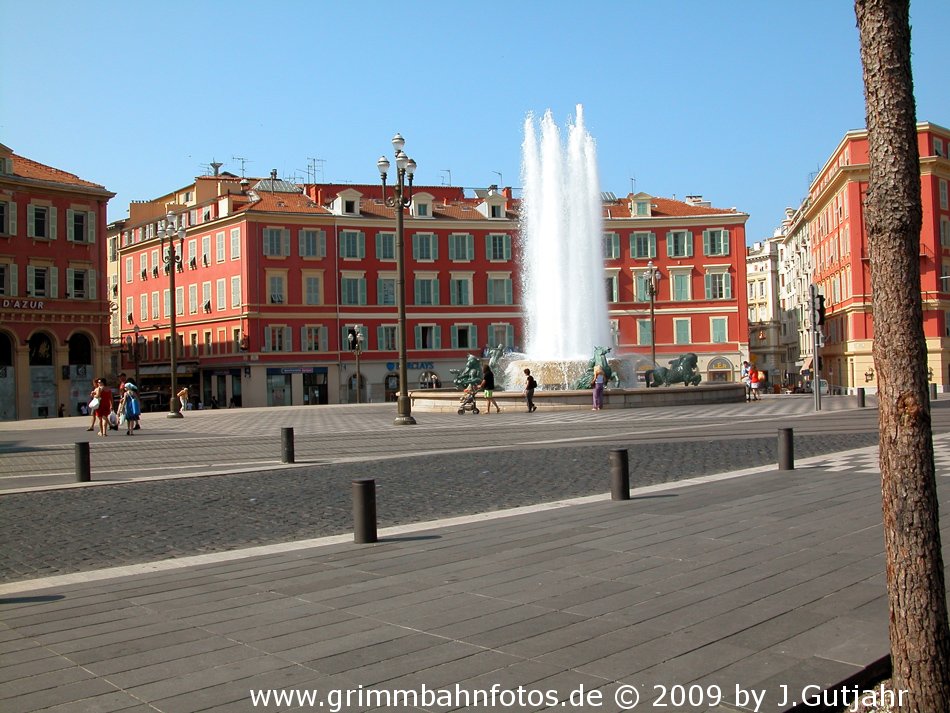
<point>447,401</point>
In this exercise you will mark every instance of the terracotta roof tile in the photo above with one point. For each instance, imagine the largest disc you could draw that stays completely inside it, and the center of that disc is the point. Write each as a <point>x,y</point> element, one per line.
<point>284,203</point>
<point>664,207</point>
<point>27,168</point>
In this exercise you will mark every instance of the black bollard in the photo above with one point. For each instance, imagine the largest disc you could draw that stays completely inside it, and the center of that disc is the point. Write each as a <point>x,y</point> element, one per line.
<point>933,392</point>
<point>619,474</point>
<point>786,449</point>
<point>860,397</point>
<point>82,463</point>
<point>364,510</point>
<point>286,445</point>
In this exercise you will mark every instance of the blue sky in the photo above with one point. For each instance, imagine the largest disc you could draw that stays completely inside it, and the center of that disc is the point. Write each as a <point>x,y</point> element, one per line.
<point>738,101</point>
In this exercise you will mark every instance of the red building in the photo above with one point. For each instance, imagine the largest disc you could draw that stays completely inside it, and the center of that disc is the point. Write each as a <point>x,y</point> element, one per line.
<point>275,276</point>
<point>54,316</point>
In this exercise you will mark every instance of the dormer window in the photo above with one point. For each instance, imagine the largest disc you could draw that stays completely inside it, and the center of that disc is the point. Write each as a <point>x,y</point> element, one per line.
<point>421,205</point>
<point>497,211</point>
<point>347,202</point>
<point>641,205</point>
<point>349,207</point>
<point>422,210</point>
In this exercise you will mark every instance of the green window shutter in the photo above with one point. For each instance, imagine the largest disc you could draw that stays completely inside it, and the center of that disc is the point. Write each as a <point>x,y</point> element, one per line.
<point>652,253</point>
<point>322,338</point>
<point>30,213</point>
<point>12,208</point>
<point>301,251</point>
<point>91,226</point>
<point>725,242</point>
<point>689,243</point>
<point>321,243</point>
<point>91,284</point>
<point>379,290</point>
<point>437,337</point>
<point>670,245</point>
<point>706,250</point>
<point>303,339</point>
<point>417,332</point>
<point>362,288</point>
<point>70,278</point>
<point>70,226</point>
<point>727,285</point>
<point>52,222</point>
<point>266,339</point>
<point>54,282</point>
<point>508,294</point>
<point>285,237</point>
<point>344,338</point>
<point>471,247</point>
<point>435,246</point>
<point>435,292</point>
<point>379,245</point>
<point>415,247</point>
<point>488,247</point>
<point>452,241</point>
<point>380,337</point>
<point>507,247</point>
<point>454,331</point>
<point>30,279</point>
<point>341,245</point>
<point>509,335</point>
<point>288,338</point>
<point>708,280</point>
<point>361,244</point>
<point>416,290</point>
<point>472,335</point>
<point>14,292</point>
<point>491,292</point>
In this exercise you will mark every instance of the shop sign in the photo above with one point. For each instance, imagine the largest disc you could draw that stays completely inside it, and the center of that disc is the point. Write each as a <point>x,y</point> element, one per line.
<point>392,366</point>
<point>21,304</point>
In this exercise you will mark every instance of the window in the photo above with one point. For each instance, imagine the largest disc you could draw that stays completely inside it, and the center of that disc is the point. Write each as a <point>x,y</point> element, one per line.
<point>349,207</point>
<point>385,246</point>
<point>719,329</point>
<point>143,308</point>
<point>499,291</point>
<point>497,211</point>
<point>718,286</point>
<point>611,246</point>
<point>386,291</point>
<point>208,343</point>
<point>421,210</point>
<point>642,245</point>
<point>428,336</point>
<point>352,290</point>
<point>944,233</point>
<point>938,146</point>
<point>193,299</point>
<point>679,243</point>
<point>276,289</point>
<point>275,241</point>
<point>461,247</point>
<point>716,242</point>
<point>167,302</point>
<point>464,336</point>
<point>179,300</point>
<point>460,291</point>
<point>8,286</point>
<point>193,253</point>
<point>236,291</point>
<point>40,222</point>
<point>7,217</point>
<point>76,284</point>
<point>943,194</point>
<point>277,339</point>
<point>642,209</point>
<point>612,291</point>
<point>206,293</point>
<point>641,292</point>
<point>426,291</point>
<point>681,331</point>
<point>386,338</point>
<point>352,245</point>
<point>155,306</point>
<point>80,226</point>
<point>644,332</point>
<point>313,338</point>
<point>235,245</point>
<point>425,247</point>
<point>498,247</point>
<point>41,281</point>
<point>129,269</point>
<point>219,247</point>
<point>312,290</point>
<point>681,285</point>
<point>312,243</point>
<point>205,249</point>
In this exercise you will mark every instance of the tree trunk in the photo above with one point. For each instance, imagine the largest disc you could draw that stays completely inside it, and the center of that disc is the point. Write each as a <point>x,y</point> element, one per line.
<point>919,632</point>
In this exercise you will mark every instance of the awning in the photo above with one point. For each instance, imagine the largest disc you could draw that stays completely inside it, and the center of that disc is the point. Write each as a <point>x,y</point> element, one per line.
<point>164,370</point>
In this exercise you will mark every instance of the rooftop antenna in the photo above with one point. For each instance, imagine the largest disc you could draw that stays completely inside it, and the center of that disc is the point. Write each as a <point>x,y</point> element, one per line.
<point>243,161</point>
<point>448,171</point>
<point>501,181</point>
<point>216,167</point>
<point>633,184</point>
<point>312,167</point>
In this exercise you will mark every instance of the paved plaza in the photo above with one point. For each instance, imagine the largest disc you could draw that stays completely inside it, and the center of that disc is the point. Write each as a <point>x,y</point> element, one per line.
<point>504,578</point>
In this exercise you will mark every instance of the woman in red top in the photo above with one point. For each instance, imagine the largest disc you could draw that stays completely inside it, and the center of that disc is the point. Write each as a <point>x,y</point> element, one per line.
<point>104,394</point>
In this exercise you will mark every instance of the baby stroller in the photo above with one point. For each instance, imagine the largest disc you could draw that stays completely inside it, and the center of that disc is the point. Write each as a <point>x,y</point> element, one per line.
<point>467,402</point>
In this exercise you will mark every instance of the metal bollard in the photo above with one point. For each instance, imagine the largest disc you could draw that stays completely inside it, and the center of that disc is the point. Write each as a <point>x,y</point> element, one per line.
<point>933,392</point>
<point>860,397</point>
<point>619,474</point>
<point>82,463</point>
<point>786,449</point>
<point>286,445</point>
<point>364,510</point>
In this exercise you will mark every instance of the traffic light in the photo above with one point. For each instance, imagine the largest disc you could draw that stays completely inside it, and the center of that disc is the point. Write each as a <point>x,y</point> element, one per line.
<point>819,310</point>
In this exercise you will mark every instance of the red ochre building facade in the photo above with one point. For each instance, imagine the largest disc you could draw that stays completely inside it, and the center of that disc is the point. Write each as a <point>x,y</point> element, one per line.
<point>54,312</point>
<point>275,275</point>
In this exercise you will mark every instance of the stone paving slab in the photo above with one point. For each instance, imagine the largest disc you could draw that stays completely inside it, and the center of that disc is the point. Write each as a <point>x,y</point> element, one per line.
<point>757,582</point>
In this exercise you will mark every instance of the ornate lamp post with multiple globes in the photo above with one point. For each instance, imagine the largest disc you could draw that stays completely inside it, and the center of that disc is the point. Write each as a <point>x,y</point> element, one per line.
<point>651,277</point>
<point>172,228</point>
<point>400,200</point>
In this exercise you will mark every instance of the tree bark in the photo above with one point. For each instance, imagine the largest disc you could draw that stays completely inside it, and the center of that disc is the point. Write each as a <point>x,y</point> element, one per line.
<point>919,632</point>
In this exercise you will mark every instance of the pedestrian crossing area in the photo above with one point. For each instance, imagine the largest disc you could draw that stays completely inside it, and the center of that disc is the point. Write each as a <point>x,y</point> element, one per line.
<point>865,460</point>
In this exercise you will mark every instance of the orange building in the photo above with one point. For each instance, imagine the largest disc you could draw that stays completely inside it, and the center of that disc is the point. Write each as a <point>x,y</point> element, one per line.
<point>54,315</point>
<point>275,276</point>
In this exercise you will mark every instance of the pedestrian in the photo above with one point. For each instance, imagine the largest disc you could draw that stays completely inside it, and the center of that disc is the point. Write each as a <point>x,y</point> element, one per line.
<point>130,409</point>
<point>754,383</point>
<point>529,386</point>
<point>746,380</point>
<point>104,395</point>
<point>183,397</point>
<point>92,409</point>
<point>488,386</point>
<point>600,379</point>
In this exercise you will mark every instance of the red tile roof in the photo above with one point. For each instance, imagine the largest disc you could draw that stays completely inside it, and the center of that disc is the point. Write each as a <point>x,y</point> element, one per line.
<point>664,207</point>
<point>27,168</point>
<point>283,202</point>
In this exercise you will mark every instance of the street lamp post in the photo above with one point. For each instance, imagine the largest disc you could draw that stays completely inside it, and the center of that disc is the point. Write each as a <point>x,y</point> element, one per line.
<point>652,278</point>
<point>400,200</point>
<point>355,336</point>
<point>171,229</point>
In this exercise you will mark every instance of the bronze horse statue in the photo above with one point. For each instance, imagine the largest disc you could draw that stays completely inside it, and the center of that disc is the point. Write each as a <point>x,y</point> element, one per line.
<point>585,381</point>
<point>681,371</point>
<point>470,375</point>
